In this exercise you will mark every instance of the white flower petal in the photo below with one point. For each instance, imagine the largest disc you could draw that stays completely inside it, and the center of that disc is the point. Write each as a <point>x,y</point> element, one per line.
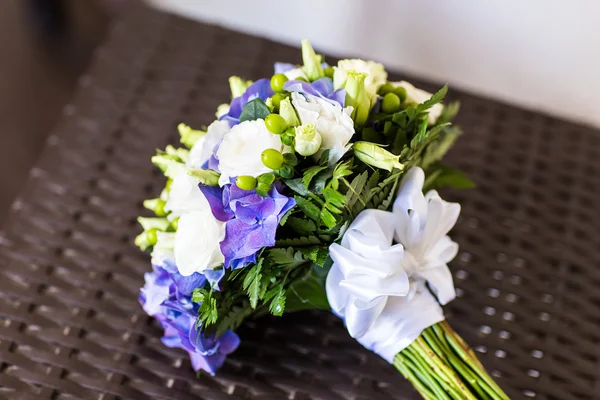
<point>332,122</point>
<point>204,147</point>
<point>185,195</point>
<point>241,149</point>
<point>197,242</point>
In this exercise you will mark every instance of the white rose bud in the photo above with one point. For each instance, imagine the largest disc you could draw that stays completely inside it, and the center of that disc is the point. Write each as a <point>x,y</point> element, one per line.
<point>308,140</point>
<point>376,156</point>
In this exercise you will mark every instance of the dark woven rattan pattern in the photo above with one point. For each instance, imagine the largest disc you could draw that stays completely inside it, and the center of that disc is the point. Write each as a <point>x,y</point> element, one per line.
<point>71,327</point>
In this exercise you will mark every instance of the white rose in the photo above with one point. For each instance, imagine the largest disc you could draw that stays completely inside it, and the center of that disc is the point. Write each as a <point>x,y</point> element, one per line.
<point>376,74</point>
<point>241,149</point>
<point>185,196</point>
<point>204,146</point>
<point>197,242</point>
<point>333,123</point>
<point>415,95</point>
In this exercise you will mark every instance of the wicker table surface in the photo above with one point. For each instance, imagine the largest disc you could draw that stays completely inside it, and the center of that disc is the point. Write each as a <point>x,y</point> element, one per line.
<point>71,327</point>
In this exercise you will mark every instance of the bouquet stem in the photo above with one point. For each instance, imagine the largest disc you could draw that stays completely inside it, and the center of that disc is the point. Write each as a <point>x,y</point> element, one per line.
<point>441,366</point>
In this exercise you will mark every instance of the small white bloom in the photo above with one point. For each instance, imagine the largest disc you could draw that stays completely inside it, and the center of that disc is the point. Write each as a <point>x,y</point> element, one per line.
<point>204,146</point>
<point>308,140</point>
<point>376,74</point>
<point>333,123</point>
<point>416,95</point>
<point>197,242</point>
<point>241,149</point>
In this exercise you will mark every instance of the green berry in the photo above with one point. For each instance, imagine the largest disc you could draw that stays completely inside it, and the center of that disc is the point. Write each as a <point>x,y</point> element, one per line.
<point>390,103</point>
<point>329,72</point>
<point>245,182</point>
<point>277,82</point>
<point>385,89</point>
<point>401,93</point>
<point>276,124</point>
<point>159,209</point>
<point>272,158</point>
<point>276,99</point>
<point>152,236</point>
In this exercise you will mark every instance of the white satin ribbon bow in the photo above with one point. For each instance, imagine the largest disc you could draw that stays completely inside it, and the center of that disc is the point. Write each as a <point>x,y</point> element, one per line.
<point>378,287</point>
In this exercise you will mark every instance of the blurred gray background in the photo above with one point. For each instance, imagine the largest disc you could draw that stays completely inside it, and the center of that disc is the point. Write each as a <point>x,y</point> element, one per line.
<point>44,46</point>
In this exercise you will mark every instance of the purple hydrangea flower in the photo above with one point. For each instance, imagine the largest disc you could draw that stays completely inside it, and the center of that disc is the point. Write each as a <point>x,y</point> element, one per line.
<point>167,297</point>
<point>259,89</point>
<point>251,220</point>
<point>322,88</point>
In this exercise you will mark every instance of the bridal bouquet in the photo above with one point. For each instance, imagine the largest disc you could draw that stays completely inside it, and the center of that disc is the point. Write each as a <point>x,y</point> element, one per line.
<point>314,189</point>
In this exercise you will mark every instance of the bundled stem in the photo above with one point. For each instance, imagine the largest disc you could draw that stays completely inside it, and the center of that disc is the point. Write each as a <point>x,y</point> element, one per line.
<point>441,366</point>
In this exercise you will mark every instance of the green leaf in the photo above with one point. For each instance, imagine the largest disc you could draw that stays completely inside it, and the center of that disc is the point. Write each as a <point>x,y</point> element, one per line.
<point>233,318</point>
<point>435,99</point>
<point>308,291</point>
<point>355,188</point>
<point>290,159</point>
<point>253,110</point>
<point>310,173</point>
<point>451,177</point>
<point>267,178</point>
<point>277,306</point>
<point>321,179</point>
<point>302,226</point>
<point>308,208</point>
<point>449,112</point>
<point>324,159</point>
<point>286,171</point>
<point>262,189</point>
<point>297,186</point>
<point>299,242</point>
<point>343,169</point>
<point>286,216</point>
<point>327,218</point>
<point>287,257</point>
<point>253,283</point>
<point>334,197</point>
<point>317,254</point>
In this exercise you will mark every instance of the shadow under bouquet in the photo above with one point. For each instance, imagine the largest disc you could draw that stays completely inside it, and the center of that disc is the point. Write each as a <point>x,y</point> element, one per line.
<point>315,189</point>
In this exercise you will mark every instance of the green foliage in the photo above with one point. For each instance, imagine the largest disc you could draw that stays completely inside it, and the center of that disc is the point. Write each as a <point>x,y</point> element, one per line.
<point>439,176</point>
<point>291,275</point>
<point>253,110</point>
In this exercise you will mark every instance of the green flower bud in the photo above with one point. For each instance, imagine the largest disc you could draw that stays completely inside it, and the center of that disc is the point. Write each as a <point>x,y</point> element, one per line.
<point>206,177</point>
<point>376,156</point>
<point>238,86</point>
<point>312,62</point>
<point>189,136</point>
<point>161,224</point>
<point>222,109</point>
<point>287,111</point>
<point>308,140</point>
<point>357,97</point>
